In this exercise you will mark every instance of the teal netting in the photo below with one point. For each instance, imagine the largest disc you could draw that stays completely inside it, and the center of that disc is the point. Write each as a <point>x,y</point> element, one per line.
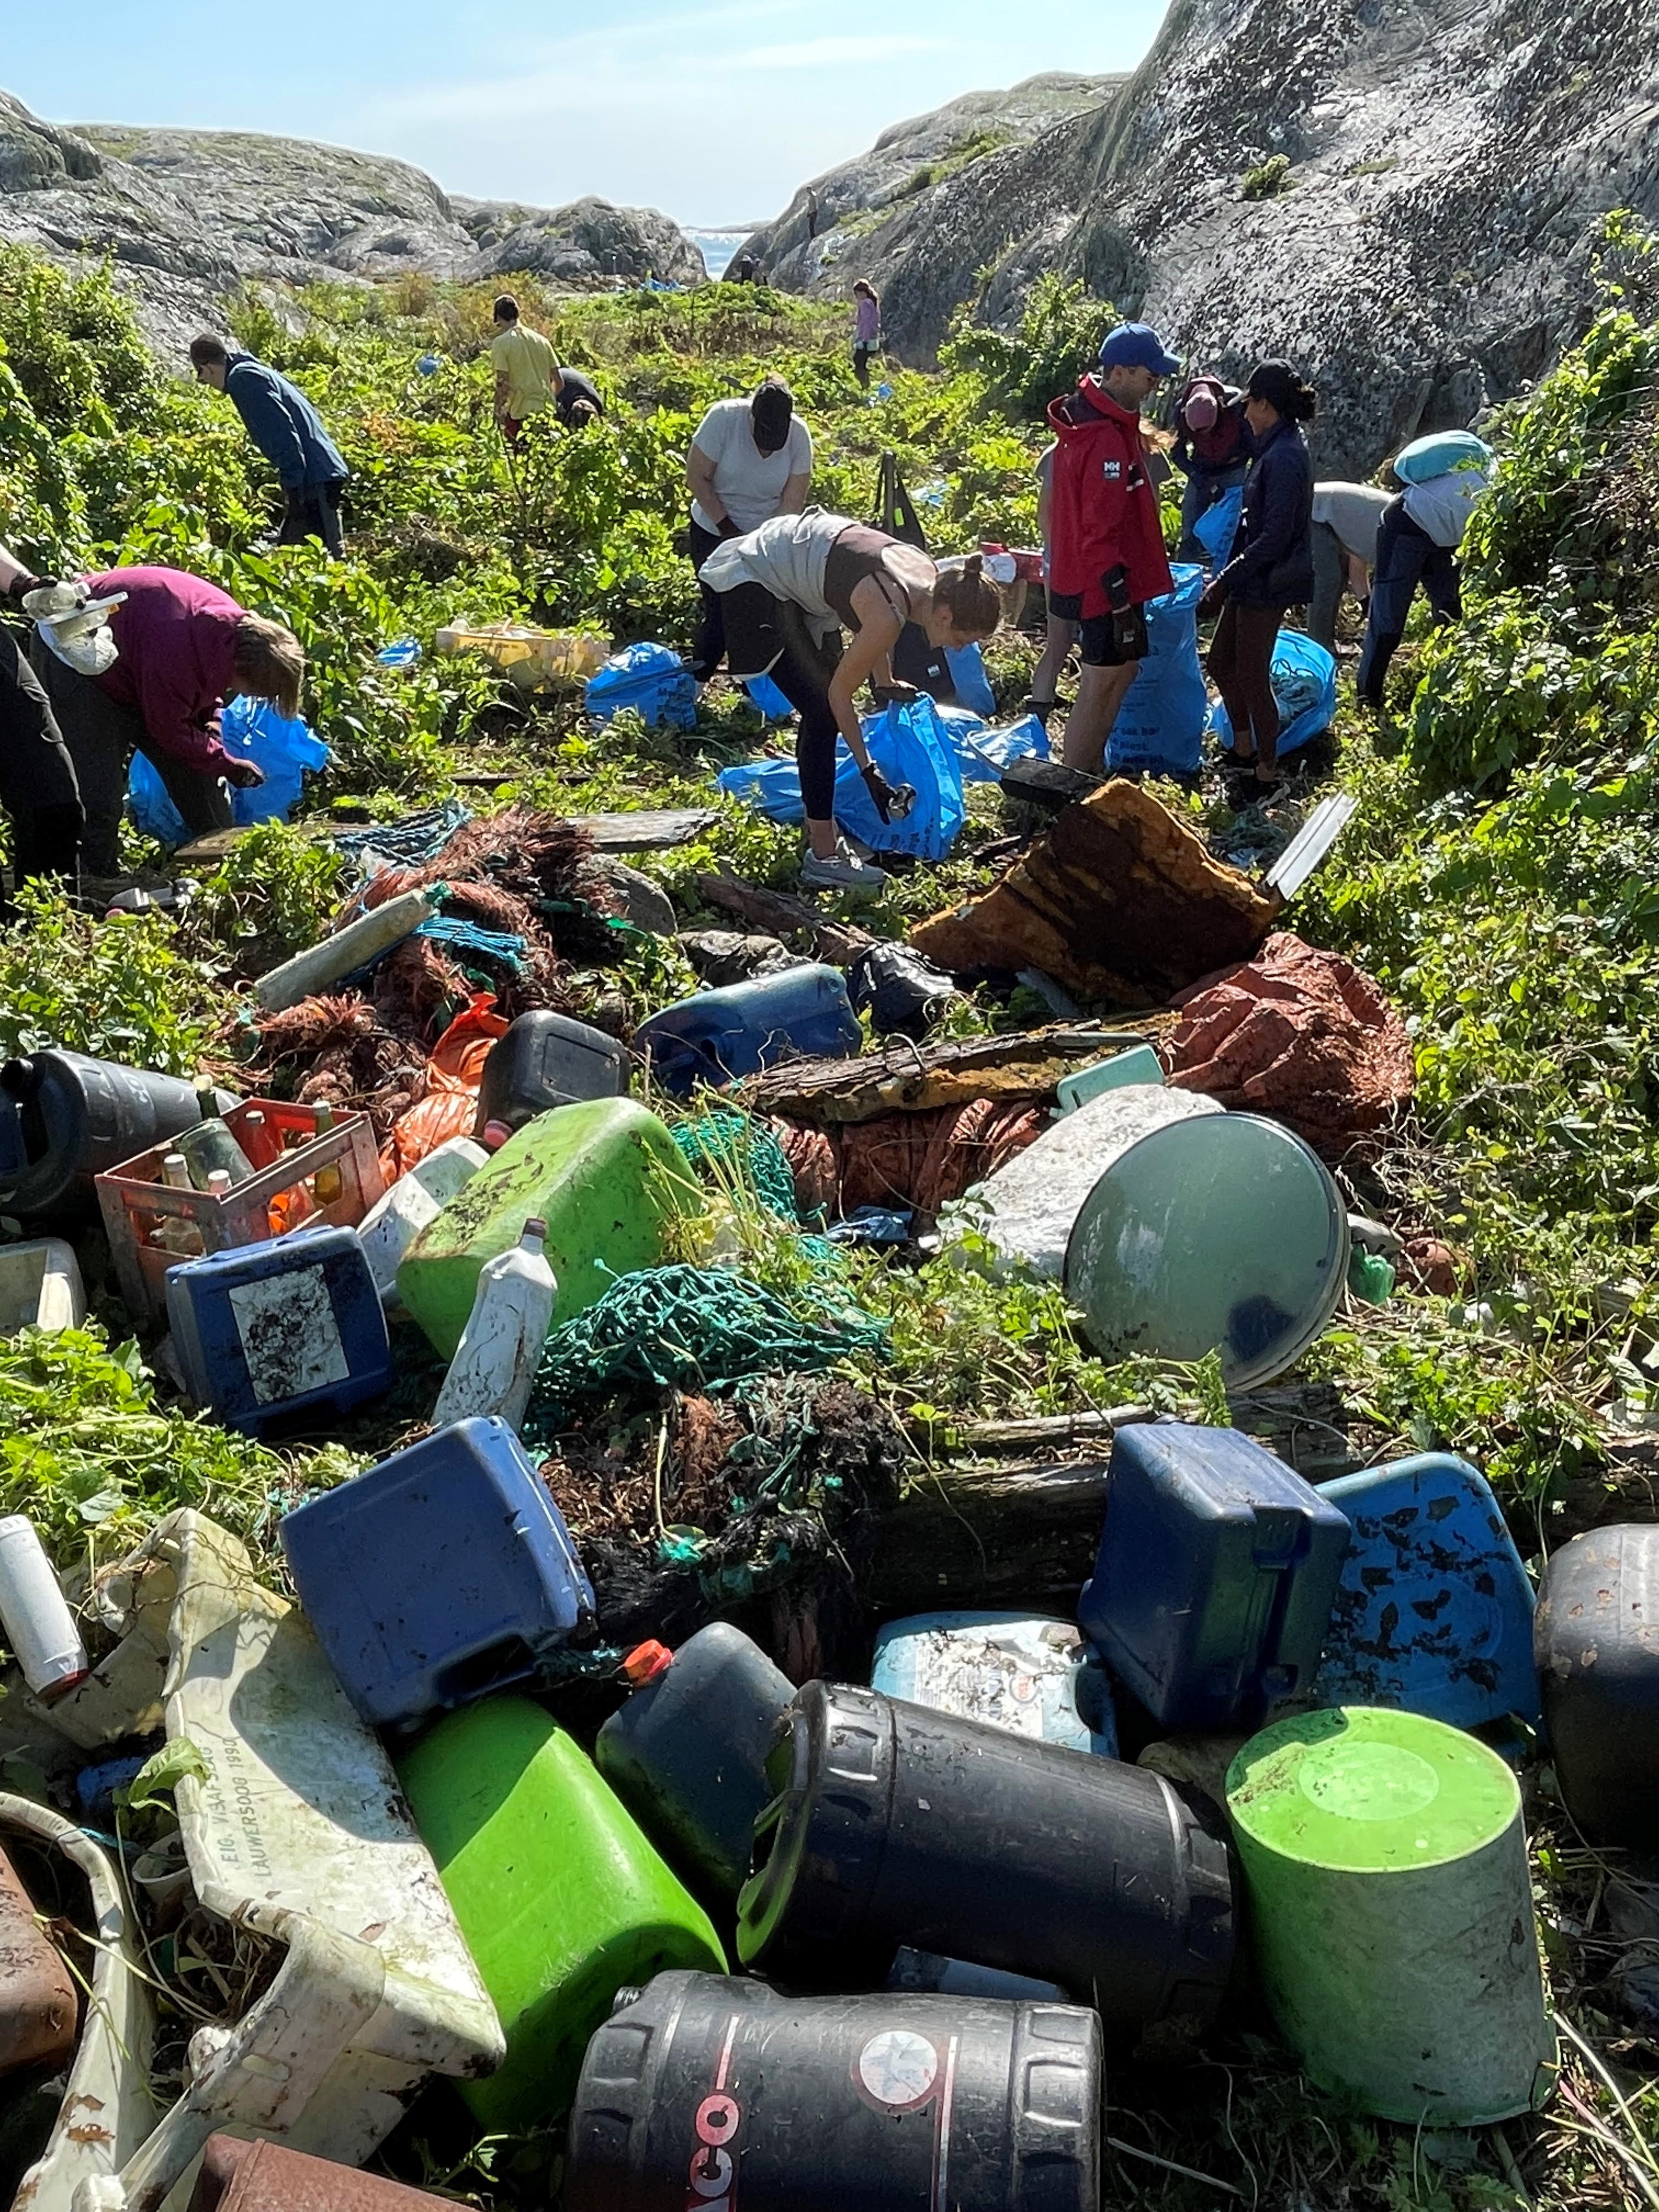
<point>733,1140</point>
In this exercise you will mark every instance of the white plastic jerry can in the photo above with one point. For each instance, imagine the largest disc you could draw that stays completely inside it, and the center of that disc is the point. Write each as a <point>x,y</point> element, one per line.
<point>493,1369</point>
<point>392,1222</point>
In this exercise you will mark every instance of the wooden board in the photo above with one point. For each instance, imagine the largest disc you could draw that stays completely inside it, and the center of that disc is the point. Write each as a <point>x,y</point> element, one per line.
<point>908,1078</point>
<point>653,830</point>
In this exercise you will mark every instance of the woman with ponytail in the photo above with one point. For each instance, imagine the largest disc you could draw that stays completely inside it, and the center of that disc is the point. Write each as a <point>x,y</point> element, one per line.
<point>787,592</point>
<point>1271,569</point>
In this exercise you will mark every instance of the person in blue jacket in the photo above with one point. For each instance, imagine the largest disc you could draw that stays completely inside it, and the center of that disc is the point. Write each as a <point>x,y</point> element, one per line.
<point>1271,567</point>
<point>289,431</point>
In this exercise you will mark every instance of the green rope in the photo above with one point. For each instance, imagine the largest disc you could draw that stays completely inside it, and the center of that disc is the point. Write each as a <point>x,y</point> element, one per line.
<point>733,1140</point>
<point>687,1329</point>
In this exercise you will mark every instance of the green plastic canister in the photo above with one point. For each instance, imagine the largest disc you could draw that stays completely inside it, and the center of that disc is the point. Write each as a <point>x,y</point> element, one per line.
<point>604,1175</point>
<point>561,1898</point>
<point>1390,1906</point>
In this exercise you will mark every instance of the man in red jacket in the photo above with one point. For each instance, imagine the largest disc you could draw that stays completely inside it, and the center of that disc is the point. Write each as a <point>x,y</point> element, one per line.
<point>1108,557</point>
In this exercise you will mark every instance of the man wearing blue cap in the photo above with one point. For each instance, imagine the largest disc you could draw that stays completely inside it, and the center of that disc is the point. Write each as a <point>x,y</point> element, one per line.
<point>1107,546</point>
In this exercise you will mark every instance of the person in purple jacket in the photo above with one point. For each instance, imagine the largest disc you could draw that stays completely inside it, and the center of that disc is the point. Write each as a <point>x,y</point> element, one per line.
<point>183,649</point>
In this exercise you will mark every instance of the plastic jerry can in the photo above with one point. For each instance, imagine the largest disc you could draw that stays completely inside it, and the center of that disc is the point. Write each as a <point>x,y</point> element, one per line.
<point>687,1752</point>
<point>835,2104</point>
<point>1213,1584</point>
<point>561,1898</point>
<point>442,1574</point>
<point>1011,1670</point>
<point>41,1286</point>
<point>1391,1914</point>
<point>1594,1642</point>
<point>890,1825</point>
<point>546,1060</point>
<point>718,1035</point>
<point>1434,1611</point>
<point>604,1175</point>
<point>268,1331</point>
<point>265,2177</point>
<point>493,1369</point>
<point>39,1627</point>
<point>37,2007</point>
<point>394,1221</point>
<point>80,1117</point>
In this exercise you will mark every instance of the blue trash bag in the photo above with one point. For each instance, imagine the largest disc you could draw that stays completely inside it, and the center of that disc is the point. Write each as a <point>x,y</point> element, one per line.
<point>987,753</point>
<point>1216,527</point>
<point>909,743</point>
<point>1160,725</point>
<point>772,787</point>
<point>651,679</point>
<point>968,680</point>
<point>1440,453</point>
<point>252,727</point>
<point>1304,684</point>
<point>766,697</point>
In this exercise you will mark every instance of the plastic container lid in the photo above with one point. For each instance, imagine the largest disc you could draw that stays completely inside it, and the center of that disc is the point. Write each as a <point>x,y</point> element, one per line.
<point>1221,1230</point>
<point>645,1661</point>
<point>1363,1790</point>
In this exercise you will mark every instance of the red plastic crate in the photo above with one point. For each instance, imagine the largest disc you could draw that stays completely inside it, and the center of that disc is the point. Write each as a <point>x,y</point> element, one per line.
<point>279,1194</point>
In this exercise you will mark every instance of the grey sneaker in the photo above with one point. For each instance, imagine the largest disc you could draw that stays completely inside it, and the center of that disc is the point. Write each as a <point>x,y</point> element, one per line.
<point>842,871</point>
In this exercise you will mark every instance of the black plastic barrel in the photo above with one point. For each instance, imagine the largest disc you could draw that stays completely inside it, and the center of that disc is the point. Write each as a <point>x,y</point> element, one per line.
<point>894,1824</point>
<point>79,1117</point>
<point>545,1060</point>
<point>1595,1640</point>
<point>705,2091</point>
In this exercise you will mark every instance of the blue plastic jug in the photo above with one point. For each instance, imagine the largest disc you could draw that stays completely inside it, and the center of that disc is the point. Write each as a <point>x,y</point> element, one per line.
<point>268,1331</point>
<point>1434,1610</point>
<point>1217,1565</point>
<point>1018,1671</point>
<point>443,1574</point>
<point>719,1035</point>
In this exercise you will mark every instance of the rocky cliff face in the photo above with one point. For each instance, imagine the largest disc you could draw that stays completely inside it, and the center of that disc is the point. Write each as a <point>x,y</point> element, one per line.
<point>1446,163</point>
<point>188,215</point>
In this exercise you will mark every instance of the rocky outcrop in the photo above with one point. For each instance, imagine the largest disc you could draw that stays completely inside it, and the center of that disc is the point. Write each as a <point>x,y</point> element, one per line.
<point>187,216</point>
<point>868,217</point>
<point>1446,164</point>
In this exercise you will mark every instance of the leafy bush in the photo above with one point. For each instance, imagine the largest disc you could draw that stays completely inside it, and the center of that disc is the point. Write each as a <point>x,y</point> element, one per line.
<point>119,990</point>
<point>1056,340</point>
<point>1267,180</point>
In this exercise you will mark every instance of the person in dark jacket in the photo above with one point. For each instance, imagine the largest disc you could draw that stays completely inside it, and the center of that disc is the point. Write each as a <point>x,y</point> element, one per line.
<point>38,786</point>
<point>1271,569</point>
<point>579,403</point>
<point>1211,449</point>
<point>289,431</point>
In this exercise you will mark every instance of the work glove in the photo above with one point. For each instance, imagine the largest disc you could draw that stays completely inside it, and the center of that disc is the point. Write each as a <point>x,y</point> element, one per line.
<point>881,792</point>
<point>1212,601</point>
<point>244,775</point>
<point>20,587</point>
<point>1126,632</point>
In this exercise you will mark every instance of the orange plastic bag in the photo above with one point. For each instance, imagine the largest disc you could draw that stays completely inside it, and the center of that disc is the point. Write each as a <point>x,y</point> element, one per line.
<point>451,1105</point>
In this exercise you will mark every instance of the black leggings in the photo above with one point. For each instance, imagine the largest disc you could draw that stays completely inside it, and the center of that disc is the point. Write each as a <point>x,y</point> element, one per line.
<point>708,647</point>
<point>38,785</point>
<point>1240,668</point>
<point>803,676</point>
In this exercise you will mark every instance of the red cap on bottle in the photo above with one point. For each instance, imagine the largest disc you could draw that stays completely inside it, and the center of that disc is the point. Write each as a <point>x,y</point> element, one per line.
<point>495,1135</point>
<point>645,1661</point>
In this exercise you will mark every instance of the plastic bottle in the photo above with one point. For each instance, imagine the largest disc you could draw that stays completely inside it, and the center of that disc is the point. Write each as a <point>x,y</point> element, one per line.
<point>171,1234</point>
<point>210,1146</point>
<point>347,948</point>
<point>393,1222</point>
<point>493,1369</point>
<point>38,1625</point>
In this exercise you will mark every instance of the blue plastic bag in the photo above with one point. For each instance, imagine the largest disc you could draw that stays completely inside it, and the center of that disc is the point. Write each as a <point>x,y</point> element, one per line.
<point>252,728</point>
<point>651,679</point>
<point>1160,725</point>
<point>968,680</point>
<point>987,753</point>
<point>1216,527</point>
<point>909,743</point>
<point>1440,453</point>
<point>1304,684</point>
<point>772,787</point>
<point>766,697</point>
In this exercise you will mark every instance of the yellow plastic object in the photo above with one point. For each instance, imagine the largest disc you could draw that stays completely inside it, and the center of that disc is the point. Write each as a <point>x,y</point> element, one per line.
<point>533,659</point>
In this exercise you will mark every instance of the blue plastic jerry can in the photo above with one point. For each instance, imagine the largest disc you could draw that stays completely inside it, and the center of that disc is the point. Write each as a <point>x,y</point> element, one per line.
<point>268,1331</point>
<point>1218,1568</point>
<point>1018,1671</point>
<point>718,1035</point>
<point>443,1574</point>
<point>1433,1614</point>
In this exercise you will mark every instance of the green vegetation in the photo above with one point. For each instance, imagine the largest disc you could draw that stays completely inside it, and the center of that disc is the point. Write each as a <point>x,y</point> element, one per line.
<point>1268,178</point>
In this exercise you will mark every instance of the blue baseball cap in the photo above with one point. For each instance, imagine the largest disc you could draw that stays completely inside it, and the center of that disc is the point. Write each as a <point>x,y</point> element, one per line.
<point>1137,345</point>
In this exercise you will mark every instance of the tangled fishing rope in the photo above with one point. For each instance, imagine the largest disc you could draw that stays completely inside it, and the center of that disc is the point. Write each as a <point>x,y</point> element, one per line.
<point>732,1140</point>
<point>687,1329</point>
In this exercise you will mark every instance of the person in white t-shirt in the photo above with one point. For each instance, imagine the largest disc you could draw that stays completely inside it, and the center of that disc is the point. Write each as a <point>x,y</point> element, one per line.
<point>750,460</point>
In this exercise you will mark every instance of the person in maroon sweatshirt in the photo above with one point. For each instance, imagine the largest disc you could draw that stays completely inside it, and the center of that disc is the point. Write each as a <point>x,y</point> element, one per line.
<point>182,648</point>
<point>1106,557</point>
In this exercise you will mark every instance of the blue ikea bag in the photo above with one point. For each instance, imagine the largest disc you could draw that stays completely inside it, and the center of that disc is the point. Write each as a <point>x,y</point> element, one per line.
<point>909,744</point>
<point>652,680</point>
<point>286,750</point>
<point>1304,684</point>
<point>1160,725</point>
<point>968,680</point>
<point>764,693</point>
<point>772,787</point>
<point>1216,527</point>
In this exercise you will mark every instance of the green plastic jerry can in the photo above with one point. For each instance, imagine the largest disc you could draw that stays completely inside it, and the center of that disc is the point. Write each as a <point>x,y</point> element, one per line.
<point>606,1178</point>
<point>561,1898</point>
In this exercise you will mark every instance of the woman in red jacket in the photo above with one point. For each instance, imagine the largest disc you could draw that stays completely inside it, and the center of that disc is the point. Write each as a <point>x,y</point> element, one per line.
<point>1107,548</point>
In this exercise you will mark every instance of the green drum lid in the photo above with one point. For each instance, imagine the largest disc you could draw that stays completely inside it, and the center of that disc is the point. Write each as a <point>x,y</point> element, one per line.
<point>1225,1231</point>
<point>1364,1791</point>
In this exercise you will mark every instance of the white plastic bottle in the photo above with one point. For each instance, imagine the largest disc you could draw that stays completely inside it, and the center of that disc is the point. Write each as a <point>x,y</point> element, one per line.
<point>38,1625</point>
<point>392,1222</point>
<point>494,1365</point>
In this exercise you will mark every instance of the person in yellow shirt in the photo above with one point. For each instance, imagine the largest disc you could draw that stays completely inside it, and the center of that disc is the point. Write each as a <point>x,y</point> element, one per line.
<point>527,378</point>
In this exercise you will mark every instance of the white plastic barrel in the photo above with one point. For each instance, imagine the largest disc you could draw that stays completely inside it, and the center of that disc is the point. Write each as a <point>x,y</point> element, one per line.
<point>38,1625</point>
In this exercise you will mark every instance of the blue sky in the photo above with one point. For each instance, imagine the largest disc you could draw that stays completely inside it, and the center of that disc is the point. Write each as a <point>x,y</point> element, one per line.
<point>712,109</point>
